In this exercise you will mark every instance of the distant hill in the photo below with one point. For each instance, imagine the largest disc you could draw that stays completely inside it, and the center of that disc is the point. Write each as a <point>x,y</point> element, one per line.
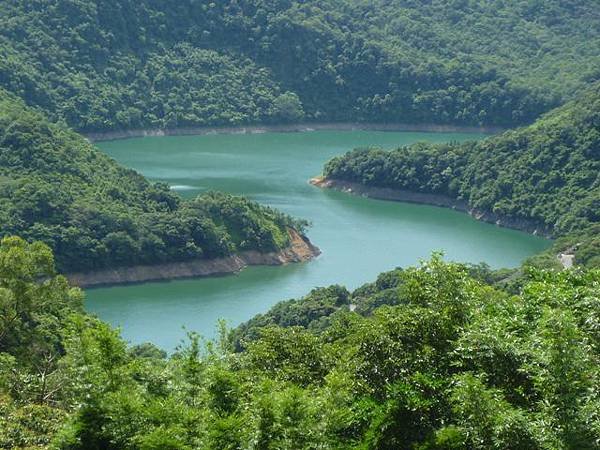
<point>121,64</point>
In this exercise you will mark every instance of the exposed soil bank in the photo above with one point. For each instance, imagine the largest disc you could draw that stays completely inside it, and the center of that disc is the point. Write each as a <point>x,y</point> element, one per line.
<point>300,249</point>
<point>255,129</point>
<point>432,199</point>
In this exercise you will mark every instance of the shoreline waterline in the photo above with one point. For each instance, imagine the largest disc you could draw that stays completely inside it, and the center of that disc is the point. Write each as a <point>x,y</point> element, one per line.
<point>443,201</point>
<point>299,250</point>
<point>359,238</point>
<point>288,128</point>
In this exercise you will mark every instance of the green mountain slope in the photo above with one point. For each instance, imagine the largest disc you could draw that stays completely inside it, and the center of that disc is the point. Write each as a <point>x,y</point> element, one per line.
<point>121,64</point>
<point>57,188</point>
<point>547,173</point>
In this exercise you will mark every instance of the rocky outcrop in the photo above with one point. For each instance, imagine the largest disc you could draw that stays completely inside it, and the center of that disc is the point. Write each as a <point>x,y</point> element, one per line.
<point>299,250</point>
<point>432,199</point>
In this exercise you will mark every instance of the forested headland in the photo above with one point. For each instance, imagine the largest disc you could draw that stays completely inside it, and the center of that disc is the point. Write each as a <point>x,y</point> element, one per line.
<point>55,187</point>
<point>546,174</point>
<point>106,65</point>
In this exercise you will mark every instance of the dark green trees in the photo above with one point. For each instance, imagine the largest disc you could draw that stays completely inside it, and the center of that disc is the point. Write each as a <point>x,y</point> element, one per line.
<point>57,188</point>
<point>35,308</point>
<point>544,176</point>
<point>120,64</point>
<point>450,363</point>
<point>288,108</point>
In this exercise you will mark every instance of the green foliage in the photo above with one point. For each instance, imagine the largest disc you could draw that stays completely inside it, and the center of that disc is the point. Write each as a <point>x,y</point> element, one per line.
<point>57,188</point>
<point>147,350</point>
<point>28,426</point>
<point>313,311</point>
<point>123,64</point>
<point>31,313</point>
<point>288,108</point>
<point>288,354</point>
<point>486,420</point>
<point>545,176</point>
<point>441,356</point>
<point>452,364</point>
<point>35,306</point>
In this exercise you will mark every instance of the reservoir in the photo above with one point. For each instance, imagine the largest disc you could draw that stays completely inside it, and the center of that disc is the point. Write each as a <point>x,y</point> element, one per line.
<point>358,237</point>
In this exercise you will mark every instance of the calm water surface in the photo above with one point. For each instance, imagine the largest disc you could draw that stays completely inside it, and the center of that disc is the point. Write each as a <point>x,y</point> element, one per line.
<point>359,237</point>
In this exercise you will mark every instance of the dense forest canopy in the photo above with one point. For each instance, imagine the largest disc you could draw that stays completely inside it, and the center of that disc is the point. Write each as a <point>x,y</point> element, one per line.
<point>547,173</point>
<point>120,64</point>
<point>442,356</point>
<point>57,188</point>
<point>432,359</point>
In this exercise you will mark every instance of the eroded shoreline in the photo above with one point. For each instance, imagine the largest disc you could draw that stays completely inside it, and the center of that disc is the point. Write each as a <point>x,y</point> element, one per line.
<point>300,250</point>
<point>444,201</point>
<point>291,128</point>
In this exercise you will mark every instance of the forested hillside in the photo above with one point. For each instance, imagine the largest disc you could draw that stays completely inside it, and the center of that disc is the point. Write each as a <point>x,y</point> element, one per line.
<point>57,188</point>
<point>442,356</point>
<point>453,364</point>
<point>547,173</point>
<point>120,64</point>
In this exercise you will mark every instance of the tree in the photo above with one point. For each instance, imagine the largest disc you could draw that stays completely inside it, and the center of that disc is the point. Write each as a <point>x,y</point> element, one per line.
<point>288,108</point>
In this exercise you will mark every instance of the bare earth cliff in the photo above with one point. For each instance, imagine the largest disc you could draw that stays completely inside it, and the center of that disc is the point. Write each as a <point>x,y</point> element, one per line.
<point>299,250</point>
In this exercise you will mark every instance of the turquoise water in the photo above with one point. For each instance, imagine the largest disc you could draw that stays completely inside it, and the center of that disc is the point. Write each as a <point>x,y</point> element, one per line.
<point>359,237</point>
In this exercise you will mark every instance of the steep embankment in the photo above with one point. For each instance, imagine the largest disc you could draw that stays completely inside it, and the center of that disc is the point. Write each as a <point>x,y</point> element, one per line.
<point>57,188</point>
<point>542,178</point>
<point>299,250</point>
